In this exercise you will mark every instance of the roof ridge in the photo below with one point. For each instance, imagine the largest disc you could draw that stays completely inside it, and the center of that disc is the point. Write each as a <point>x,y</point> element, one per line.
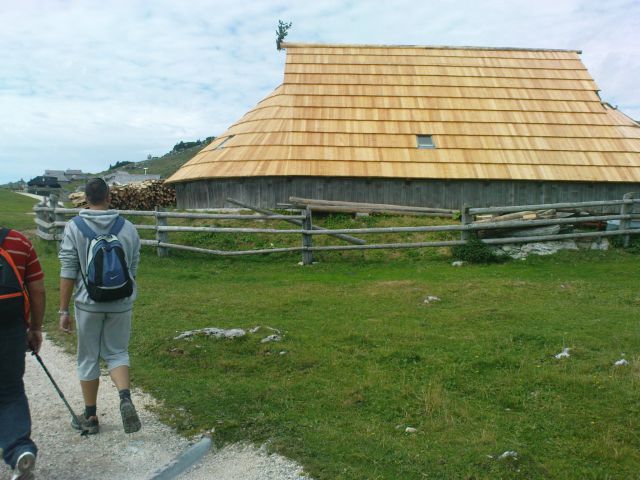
<point>284,45</point>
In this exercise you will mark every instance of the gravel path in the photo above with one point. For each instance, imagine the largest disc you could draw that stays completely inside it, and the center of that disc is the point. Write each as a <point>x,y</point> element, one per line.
<point>112,454</point>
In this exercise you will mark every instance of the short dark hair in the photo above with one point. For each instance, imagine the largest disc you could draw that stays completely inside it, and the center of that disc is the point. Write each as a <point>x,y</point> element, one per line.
<point>96,191</point>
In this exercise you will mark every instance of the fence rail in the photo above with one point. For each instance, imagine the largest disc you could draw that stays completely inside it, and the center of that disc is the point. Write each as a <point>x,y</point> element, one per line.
<point>50,220</point>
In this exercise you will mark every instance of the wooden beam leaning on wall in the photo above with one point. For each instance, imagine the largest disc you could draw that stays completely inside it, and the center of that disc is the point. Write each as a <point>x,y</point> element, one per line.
<point>264,211</point>
<point>354,207</point>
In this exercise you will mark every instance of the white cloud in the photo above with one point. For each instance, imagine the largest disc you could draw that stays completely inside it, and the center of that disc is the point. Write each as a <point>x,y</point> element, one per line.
<point>88,83</point>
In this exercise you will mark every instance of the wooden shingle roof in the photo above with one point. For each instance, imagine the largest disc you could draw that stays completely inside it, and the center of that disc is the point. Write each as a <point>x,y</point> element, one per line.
<point>356,111</point>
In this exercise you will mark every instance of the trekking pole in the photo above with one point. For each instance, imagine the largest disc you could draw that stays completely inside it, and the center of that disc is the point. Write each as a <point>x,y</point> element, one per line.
<point>73,414</point>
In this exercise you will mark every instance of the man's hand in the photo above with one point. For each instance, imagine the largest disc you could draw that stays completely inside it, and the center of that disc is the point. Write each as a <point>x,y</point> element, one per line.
<point>65,323</point>
<point>34,339</point>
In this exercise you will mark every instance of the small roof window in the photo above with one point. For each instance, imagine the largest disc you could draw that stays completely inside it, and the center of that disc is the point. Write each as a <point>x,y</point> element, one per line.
<point>425,141</point>
<point>223,142</point>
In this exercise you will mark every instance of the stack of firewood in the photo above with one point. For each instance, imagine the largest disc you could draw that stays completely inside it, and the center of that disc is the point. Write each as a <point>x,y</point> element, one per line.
<point>135,196</point>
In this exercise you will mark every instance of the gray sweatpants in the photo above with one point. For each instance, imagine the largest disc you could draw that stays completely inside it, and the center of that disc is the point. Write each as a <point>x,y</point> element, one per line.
<point>102,335</point>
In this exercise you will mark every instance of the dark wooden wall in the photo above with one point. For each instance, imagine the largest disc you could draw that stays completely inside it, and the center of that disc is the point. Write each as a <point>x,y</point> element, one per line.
<point>266,192</point>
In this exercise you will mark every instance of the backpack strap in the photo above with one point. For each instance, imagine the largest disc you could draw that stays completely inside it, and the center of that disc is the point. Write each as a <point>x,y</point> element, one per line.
<point>3,234</point>
<point>83,227</point>
<point>117,226</point>
<point>25,293</point>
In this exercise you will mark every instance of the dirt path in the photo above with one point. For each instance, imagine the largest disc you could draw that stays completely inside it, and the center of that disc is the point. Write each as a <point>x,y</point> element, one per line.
<point>112,454</point>
<point>37,197</point>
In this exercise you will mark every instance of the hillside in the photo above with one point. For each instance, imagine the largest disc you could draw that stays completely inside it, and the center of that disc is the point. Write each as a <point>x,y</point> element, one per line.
<point>166,164</point>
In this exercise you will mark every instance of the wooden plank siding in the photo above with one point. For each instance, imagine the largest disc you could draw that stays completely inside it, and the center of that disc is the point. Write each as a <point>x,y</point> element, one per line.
<point>349,112</point>
<point>264,191</point>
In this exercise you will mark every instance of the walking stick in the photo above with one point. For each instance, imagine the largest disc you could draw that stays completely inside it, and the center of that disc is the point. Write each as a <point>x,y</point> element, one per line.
<point>73,415</point>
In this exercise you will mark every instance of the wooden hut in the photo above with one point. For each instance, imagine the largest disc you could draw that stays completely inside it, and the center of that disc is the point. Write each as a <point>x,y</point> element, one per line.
<point>425,126</point>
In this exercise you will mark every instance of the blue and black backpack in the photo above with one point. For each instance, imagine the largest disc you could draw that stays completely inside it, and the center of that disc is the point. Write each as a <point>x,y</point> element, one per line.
<point>107,277</point>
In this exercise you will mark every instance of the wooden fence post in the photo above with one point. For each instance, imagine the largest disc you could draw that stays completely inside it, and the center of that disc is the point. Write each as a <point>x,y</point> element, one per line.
<point>52,216</point>
<point>40,215</point>
<point>307,240</point>
<point>59,231</point>
<point>465,218</point>
<point>625,224</point>
<point>161,237</point>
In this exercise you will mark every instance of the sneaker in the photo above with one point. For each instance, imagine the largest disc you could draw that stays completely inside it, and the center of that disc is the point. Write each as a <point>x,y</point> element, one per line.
<point>130,419</point>
<point>90,425</point>
<point>24,467</point>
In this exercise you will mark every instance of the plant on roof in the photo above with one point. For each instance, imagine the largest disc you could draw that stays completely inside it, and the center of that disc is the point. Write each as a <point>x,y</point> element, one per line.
<point>281,32</point>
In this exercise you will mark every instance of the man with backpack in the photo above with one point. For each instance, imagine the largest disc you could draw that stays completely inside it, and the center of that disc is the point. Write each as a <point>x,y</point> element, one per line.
<point>22,305</point>
<point>99,256</point>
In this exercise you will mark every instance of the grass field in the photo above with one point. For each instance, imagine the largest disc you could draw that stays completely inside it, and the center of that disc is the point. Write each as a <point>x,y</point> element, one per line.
<point>15,210</point>
<point>363,357</point>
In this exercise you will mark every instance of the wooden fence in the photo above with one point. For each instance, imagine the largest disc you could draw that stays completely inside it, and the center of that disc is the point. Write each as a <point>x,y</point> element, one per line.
<point>51,220</point>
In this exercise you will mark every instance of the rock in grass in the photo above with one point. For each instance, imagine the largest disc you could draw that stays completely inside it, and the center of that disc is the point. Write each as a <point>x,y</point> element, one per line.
<point>271,338</point>
<point>213,332</point>
<point>410,430</point>
<point>621,363</point>
<point>431,299</point>
<point>509,454</point>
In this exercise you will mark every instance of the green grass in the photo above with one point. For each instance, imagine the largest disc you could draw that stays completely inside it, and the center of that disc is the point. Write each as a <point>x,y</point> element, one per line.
<point>15,210</point>
<point>474,373</point>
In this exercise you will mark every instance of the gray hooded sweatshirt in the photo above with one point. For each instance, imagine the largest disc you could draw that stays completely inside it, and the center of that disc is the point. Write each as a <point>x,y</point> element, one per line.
<point>73,258</point>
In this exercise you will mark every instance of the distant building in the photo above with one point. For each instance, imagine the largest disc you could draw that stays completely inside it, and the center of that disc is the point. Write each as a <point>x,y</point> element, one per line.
<point>124,178</point>
<point>43,184</point>
<point>59,175</point>
<point>75,174</point>
<point>65,176</point>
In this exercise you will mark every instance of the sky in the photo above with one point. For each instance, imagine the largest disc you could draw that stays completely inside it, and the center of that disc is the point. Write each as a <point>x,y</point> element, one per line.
<point>85,84</point>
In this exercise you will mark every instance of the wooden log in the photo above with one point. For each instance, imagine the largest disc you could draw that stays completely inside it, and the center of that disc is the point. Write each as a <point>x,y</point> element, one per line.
<point>292,219</point>
<point>229,252</point>
<point>345,209</point>
<point>367,206</point>
<point>161,237</point>
<point>518,208</point>
<point>474,226</point>
<point>161,228</point>
<point>228,216</point>
<point>307,240</point>
<point>626,209</point>
<point>509,216</point>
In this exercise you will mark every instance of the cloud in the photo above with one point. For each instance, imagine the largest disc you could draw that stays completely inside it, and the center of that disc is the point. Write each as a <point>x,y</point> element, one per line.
<point>88,83</point>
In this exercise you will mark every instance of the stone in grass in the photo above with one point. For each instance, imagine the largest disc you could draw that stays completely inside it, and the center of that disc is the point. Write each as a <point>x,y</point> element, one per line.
<point>271,338</point>
<point>431,299</point>
<point>410,430</point>
<point>213,332</point>
<point>509,455</point>
<point>621,363</point>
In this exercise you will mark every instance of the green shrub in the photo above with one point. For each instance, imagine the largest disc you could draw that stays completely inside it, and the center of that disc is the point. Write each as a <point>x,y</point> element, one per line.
<point>475,251</point>
<point>634,244</point>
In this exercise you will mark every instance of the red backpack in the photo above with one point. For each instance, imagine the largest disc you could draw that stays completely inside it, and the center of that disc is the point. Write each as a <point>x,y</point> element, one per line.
<point>14,298</point>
